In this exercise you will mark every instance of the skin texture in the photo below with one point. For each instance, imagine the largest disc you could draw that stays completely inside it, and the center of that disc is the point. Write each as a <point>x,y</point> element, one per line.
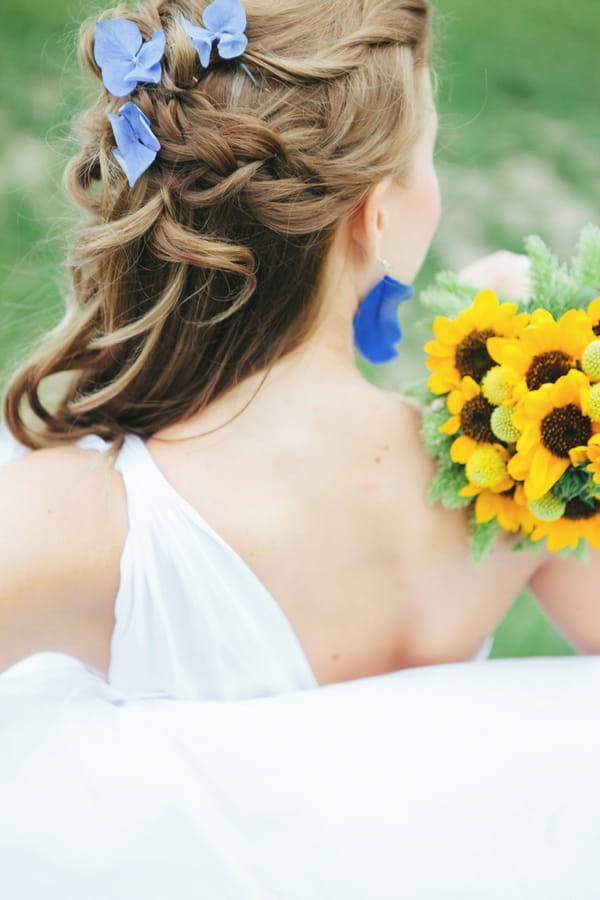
<point>319,485</point>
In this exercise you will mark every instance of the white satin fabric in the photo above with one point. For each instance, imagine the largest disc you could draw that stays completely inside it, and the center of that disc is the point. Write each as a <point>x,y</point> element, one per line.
<point>454,782</point>
<point>192,620</point>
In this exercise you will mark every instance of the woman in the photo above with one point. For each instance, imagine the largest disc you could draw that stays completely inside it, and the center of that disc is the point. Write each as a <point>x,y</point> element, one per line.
<point>216,276</point>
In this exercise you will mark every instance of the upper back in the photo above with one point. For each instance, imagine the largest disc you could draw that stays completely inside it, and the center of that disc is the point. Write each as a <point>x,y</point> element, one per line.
<point>328,508</point>
<point>325,507</point>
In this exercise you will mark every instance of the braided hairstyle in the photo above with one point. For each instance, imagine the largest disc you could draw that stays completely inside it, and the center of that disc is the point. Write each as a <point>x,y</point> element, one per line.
<point>207,271</point>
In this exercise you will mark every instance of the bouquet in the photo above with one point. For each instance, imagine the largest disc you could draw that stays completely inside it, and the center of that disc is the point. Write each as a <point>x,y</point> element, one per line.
<point>512,405</point>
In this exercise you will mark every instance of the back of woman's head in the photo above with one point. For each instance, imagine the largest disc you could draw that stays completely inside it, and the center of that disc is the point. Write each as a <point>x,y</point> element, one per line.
<point>207,270</point>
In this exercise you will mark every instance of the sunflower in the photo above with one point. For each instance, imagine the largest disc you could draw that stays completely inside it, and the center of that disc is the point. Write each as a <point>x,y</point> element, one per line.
<point>471,414</point>
<point>545,350</point>
<point>460,345</point>
<point>593,453</point>
<point>594,314</point>
<point>579,520</point>
<point>555,428</point>
<point>509,508</point>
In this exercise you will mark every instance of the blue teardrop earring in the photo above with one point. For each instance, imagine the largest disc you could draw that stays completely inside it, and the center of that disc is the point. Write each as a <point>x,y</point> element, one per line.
<point>376,326</point>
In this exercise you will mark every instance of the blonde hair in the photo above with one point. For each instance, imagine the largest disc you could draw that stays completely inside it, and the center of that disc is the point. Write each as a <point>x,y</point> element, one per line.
<point>207,271</point>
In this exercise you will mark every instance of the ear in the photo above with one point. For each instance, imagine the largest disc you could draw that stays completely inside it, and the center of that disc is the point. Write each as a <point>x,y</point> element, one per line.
<point>368,222</point>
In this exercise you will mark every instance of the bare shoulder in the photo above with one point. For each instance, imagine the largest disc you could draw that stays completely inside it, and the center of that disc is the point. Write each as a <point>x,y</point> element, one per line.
<point>63,522</point>
<point>62,492</point>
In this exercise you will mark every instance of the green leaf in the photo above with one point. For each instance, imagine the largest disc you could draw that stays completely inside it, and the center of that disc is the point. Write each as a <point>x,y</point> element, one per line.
<point>448,296</point>
<point>419,392</point>
<point>585,268</point>
<point>482,538</point>
<point>446,485</point>
<point>525,544</point>
<point>579,553</point>
<point>552,287</point>
<point>436,442</point>
<point>575,482</point>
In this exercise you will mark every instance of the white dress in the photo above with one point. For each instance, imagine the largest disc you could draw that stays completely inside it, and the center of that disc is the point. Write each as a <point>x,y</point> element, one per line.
<point>463,781</point>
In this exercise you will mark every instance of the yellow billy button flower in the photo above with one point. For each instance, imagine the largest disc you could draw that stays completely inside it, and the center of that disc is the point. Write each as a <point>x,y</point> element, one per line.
<point>545,350</point>
<point>460,345</point>
<point>497,385</point>
<point>590,360</point>
<point>503,426</point>
<point>555,426</point>
<point>486,468</point>
<point>548,508</point>
<point>579,520</point>
<point>471,414</point>
<point>508,507</point>
<point>594,410</point>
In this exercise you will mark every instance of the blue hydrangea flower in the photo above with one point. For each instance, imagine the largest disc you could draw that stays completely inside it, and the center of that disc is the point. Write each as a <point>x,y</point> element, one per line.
<point>124,58</point>
<point>376,326</point>
<point>225,22</point>
<point>137,146</point>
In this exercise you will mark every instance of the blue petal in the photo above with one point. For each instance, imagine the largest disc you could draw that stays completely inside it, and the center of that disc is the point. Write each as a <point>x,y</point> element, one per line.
<point>232,45</point>
<point>376,328</point>
<point>202,40</point>
<point>137,146</point>
<point>225,16</point>
<point>116,80</point>
<point>195,31</point>
<point>146,74</point>
<point>153,50</point>
<point>116,41</point>
<point>122,131</point>
<point>139,124</point>
<point>124,58</point>
<point>135,161</point>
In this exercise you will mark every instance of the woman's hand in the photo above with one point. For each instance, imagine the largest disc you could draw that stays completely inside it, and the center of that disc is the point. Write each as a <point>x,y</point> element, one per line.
<point>504,272</point>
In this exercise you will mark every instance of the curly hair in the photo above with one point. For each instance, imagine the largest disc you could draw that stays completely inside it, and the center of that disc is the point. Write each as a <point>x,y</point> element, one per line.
<point>208,270</point>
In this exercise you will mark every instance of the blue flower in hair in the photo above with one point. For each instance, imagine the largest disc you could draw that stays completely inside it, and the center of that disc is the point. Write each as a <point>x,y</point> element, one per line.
<point>137,146</point>
<point>225,21</point>
<point>125,59</point>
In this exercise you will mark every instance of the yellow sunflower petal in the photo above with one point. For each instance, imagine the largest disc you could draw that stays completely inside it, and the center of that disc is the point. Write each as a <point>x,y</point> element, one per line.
<point>462,449</point>
<point>451,426</point>
<point>545,471</point>
<point>446,330</point>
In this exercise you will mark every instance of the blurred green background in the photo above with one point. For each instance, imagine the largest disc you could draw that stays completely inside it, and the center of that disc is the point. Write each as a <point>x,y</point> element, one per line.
<point>519,152</point>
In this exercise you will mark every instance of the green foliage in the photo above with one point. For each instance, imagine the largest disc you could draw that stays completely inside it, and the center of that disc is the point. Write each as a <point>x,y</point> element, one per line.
<point>552,287</point>
<point>575,482</point>
<point>419,392</point>
<point>482,538</point>
<point>525,544</point>
<point>586,263</point>
<point>580,553</point>
<point>436,442</point>
<point>447,296</point>
<point>446,485</point>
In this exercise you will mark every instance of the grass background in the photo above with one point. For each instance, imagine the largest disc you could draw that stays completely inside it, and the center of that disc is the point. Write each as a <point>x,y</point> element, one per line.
<point>518,95</point>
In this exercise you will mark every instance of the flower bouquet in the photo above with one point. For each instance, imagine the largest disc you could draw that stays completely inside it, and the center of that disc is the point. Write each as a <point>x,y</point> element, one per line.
<point>512,405</point>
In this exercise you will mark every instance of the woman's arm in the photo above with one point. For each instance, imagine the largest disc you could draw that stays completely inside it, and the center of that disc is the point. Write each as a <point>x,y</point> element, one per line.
<point>62,528</point>
<point>569,593</point>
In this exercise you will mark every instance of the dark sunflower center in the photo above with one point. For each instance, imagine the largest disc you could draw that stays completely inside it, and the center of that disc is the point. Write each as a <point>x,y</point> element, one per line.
<point>472,357</point>
<point>547,368</point>
<point>564,428</point>
<point>579,509</point>
<point>475,420</point>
